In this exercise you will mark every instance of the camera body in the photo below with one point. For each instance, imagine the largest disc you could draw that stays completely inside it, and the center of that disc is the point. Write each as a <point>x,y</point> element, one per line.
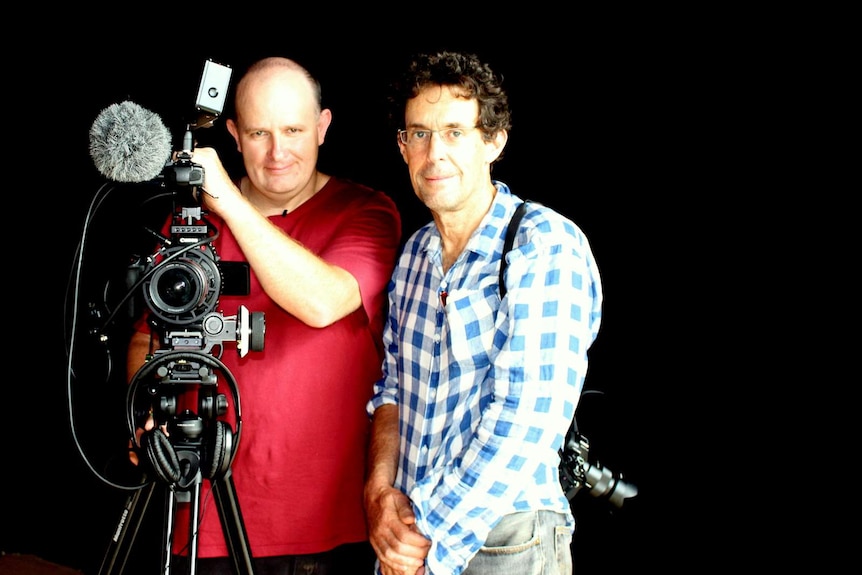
<point>577,472</point>
<point>183,283</point>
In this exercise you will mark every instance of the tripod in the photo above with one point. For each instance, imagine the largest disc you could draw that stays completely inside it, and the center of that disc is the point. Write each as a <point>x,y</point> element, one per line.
<point>178,460</point>
<point>135,510</point>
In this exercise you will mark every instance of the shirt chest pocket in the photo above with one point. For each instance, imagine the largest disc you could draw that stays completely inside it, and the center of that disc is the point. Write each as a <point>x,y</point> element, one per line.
<point>470,317</point>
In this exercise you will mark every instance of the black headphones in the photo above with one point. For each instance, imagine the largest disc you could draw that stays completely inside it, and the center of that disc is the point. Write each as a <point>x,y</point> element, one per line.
<point>194,442</point>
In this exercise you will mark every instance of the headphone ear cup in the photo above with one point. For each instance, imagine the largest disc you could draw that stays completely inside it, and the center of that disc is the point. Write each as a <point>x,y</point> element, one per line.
<point>220,453</point>
<point>161,454</point>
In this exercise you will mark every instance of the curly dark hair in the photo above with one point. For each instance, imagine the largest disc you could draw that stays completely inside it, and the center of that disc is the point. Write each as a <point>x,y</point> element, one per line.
<point>472,79</point>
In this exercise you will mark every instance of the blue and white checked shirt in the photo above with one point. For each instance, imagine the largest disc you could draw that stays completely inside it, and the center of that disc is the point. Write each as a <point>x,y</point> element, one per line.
<point>487,389</point>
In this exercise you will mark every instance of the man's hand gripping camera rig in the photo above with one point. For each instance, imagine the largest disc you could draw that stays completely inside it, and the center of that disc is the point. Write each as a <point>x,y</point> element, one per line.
<point>174,395</point>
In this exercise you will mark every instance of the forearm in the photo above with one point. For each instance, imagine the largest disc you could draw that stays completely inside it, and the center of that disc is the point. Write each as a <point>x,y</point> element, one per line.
<point>325,294</point>
<point>138,350</point>
<point>383,448</point>
<point>392,528</point>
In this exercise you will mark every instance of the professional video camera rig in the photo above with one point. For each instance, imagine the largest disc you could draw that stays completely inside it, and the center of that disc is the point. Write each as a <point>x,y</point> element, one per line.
<point>181,283</point>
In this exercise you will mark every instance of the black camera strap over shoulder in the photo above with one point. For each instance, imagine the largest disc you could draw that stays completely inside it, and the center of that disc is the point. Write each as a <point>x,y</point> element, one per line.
<point>511,231</point>
<point>575,470</point>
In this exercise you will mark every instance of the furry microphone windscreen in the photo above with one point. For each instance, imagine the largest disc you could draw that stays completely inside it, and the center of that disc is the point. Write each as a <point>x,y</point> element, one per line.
<point>128,143</point>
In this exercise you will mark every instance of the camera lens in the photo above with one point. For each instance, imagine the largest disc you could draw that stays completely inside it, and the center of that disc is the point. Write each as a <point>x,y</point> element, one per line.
<point>184,290</point>
<point>178,287</point>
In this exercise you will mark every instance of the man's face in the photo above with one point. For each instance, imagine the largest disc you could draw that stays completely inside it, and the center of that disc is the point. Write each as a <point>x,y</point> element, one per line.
<point>445,170</point>
<point>279,131</point>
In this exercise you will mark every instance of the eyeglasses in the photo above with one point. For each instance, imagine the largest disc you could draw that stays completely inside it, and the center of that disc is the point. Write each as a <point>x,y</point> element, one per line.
<point>420,137</point>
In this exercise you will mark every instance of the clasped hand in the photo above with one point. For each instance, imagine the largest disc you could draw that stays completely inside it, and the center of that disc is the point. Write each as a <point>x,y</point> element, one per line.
<point>396,539</point>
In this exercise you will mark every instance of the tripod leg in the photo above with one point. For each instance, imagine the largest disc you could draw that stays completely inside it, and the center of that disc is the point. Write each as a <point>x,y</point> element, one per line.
<point>194,514</point>
<point>178,496</point>
<point>130,522</point>
<point>232,524</point>
<point>168,537</point>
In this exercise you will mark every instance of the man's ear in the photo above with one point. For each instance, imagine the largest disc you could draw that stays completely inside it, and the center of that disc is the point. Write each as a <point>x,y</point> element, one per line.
<point>323,124</point>
<point>234,131</point>
<point>496,145</point>
<point>402,147</point>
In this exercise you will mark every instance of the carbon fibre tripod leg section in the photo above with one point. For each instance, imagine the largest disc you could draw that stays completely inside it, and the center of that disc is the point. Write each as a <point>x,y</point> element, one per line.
<point>126,531</point>
<point>135,508</point>
<point>232,524</point>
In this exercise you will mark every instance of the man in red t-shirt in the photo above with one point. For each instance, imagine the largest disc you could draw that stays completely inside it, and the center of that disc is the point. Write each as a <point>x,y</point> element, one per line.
<point>321,250</point>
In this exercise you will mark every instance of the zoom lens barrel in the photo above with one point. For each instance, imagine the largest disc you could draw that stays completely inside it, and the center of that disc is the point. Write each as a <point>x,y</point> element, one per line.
<point>184,290</point>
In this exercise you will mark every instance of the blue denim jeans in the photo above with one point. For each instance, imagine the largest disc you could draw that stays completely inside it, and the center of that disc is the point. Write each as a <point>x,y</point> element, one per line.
<point>527,543</point>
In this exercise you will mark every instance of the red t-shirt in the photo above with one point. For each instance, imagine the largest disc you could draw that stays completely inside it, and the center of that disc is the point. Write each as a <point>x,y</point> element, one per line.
<point>300,462</point>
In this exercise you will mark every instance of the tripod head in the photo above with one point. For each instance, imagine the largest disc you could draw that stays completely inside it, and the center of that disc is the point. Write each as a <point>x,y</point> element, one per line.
<point>179,390</point>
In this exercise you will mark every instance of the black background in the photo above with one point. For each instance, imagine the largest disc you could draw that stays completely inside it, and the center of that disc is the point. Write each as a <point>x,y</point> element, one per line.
<point>601,132</point>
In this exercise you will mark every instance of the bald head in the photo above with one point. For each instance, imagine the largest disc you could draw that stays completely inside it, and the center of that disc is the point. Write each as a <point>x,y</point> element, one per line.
<point>274,69</point>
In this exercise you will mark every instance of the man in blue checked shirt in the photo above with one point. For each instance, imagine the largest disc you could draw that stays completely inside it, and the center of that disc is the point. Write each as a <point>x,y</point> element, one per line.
<point>477,392</point>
